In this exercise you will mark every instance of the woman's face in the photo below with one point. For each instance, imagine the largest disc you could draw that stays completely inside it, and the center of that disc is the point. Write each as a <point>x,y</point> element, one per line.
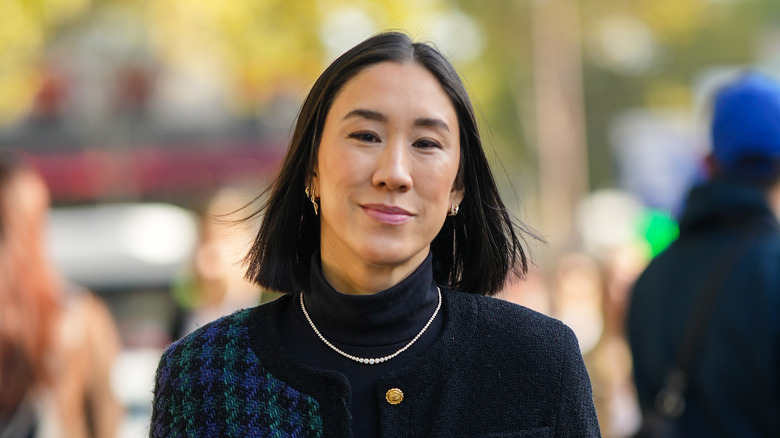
<point>385,173</point>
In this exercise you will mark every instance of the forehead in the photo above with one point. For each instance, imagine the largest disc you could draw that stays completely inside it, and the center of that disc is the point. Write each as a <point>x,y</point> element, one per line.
<point>391,86</point>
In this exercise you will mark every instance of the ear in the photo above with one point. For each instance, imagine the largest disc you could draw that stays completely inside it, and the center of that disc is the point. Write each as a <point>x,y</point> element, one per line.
<point>312,180</point>
<point>456,196</point>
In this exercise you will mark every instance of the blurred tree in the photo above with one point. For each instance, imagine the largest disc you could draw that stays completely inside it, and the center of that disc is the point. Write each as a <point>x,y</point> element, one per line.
<point>635,54</point>
<point>25,28</point>
<point>650,53</point>
<point>252,47</point>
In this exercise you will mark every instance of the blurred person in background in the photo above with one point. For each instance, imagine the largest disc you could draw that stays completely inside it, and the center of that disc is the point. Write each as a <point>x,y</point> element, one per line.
<point>214,285</point>
<point>384,205</point>
<point>709,306</point>
<point>57,343</point>
<point>592,283</point>
<point>609,361</point>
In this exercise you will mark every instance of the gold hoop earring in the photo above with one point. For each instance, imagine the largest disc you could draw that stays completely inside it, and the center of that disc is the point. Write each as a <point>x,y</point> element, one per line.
<point>313,199</point>
<point>453,211</point>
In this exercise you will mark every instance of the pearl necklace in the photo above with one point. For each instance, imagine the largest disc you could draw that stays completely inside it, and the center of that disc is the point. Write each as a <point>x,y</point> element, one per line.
<point>375,360</point>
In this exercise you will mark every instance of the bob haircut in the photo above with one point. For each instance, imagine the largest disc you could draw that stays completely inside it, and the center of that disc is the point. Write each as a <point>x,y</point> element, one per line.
<point>473,252</point>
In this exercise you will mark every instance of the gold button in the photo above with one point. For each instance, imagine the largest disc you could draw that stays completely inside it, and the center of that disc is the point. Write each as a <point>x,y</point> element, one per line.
<point>394,396</point>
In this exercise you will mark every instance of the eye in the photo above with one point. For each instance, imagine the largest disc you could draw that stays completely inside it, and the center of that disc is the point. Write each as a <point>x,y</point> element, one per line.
<point>365,136</point>
<point>427,143</point>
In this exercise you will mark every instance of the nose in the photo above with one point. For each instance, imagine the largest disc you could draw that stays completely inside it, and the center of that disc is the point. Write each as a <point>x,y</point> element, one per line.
<point>393,167</point>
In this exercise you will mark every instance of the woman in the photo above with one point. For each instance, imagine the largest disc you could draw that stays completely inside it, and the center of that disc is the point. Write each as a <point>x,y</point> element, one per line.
<point>384,206</point>
<point>56,347</point>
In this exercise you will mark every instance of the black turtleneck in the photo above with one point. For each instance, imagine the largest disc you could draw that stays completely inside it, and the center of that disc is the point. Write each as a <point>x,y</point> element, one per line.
<point>365,326</point>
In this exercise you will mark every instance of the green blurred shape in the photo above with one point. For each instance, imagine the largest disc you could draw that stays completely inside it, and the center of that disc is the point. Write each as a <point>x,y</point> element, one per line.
<point>658,228</point>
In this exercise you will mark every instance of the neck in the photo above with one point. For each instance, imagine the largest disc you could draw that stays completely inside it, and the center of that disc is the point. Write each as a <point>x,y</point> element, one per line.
<point>363,278</point>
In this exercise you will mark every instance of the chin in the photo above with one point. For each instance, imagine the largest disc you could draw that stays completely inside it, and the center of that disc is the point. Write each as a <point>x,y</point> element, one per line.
<point>390,255</point>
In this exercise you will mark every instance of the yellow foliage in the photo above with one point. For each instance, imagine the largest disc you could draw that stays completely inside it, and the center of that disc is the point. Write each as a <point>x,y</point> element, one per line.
<point>58,11</point>
<point>674,21</point>
<point>251,46</point>
<point>20,33</point>
<point>264,42</point>
<point>669,95</point>
<point>18,88</point>
<point>257,42</point>
<point>21,38</point>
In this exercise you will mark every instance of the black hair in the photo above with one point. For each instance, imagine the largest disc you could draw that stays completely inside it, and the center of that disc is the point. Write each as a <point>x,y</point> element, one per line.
<point>474,251</point>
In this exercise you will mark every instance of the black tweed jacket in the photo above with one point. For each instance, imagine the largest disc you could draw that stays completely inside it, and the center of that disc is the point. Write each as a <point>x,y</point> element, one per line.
<point>498,370</point>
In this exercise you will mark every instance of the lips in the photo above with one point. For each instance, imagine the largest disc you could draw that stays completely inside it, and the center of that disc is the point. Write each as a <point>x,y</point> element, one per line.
<point>387,214</point>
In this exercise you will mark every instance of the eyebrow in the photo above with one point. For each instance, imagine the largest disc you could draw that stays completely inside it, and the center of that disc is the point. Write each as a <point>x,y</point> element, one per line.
<point>432,123</point>
<point>379,117</point>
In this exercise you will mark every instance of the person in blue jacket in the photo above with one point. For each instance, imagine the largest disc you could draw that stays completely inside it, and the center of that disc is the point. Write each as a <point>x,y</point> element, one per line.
<point>386,233</point>
<point>733,378</point>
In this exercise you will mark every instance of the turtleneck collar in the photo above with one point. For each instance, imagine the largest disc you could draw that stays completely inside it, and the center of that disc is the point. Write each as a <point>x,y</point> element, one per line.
<point>388,317</point>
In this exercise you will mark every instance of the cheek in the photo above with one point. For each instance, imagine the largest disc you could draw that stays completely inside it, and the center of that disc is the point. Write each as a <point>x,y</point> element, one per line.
<point>340,180</point>
<point>435,197</point>
<point>439,183</point>
<point>338,172</point>
<point>328,168</point>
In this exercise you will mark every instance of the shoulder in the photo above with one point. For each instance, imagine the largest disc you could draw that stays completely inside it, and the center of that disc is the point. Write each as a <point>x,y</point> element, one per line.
<point>86,322</point>
<point>231,332</point>
<point>519,357</point>
<point>220,346</point>
<point>234,321</point>
<point>208,376</point>
<point>226,333</point>
<point>499,313</point>
<point>84,305</point>
<point>510,325</point>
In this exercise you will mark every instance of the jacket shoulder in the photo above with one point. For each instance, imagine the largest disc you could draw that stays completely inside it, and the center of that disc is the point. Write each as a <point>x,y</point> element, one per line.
<point>230,329</point>
<point>214,333</point>
<point>208,376</point>
<point>505,321</point>
<point>504,357</point>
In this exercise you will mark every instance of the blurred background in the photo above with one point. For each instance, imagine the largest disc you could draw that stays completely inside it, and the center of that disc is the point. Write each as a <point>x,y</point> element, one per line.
<point>147,118</point>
